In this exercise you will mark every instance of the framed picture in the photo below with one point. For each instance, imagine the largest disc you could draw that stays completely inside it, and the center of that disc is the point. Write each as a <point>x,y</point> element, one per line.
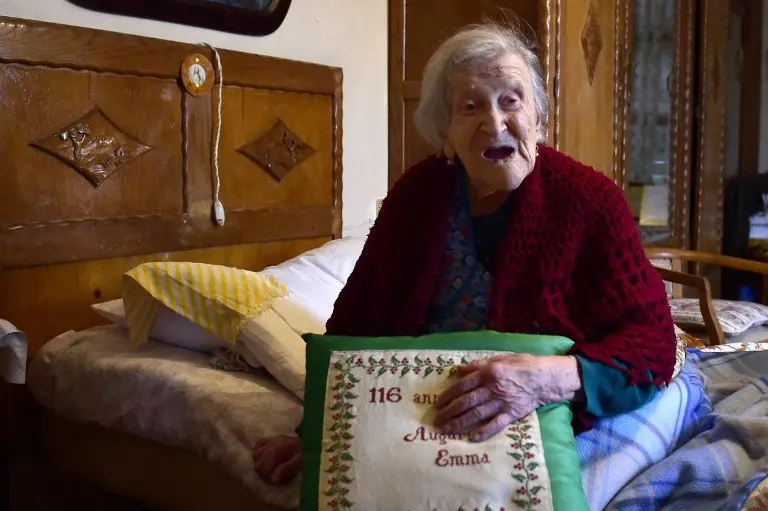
<point>250,17</point>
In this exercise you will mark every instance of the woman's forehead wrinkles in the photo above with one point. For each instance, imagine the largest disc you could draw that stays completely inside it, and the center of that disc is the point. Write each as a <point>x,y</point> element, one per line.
<point>473,82</point>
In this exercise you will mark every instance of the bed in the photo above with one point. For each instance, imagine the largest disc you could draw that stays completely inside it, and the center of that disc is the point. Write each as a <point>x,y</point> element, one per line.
<point>178,399</point>
<point>107,143</point>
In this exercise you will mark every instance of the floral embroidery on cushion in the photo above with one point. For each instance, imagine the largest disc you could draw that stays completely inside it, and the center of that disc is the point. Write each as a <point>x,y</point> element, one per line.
<point>529,469</point>
<point>340,435</point>
<point>486,508</point>
<point>419,366</point>
<point>525,469</point>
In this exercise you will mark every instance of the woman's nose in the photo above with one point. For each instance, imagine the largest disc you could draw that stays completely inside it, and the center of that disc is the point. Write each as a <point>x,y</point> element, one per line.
<point>493,122</point>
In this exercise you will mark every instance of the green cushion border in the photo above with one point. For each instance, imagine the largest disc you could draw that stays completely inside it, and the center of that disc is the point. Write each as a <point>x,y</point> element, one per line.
<point>319,348</point>
<point>560,450</point>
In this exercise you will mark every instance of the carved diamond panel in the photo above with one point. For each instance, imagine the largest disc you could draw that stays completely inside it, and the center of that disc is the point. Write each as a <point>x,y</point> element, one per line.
<point>278,151</point>
<point>93,146</point>
<point>591,41</point>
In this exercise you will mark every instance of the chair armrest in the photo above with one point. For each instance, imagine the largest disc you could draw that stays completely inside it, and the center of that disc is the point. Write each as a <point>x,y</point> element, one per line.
<point>691,256</point>
<point>706,303</point>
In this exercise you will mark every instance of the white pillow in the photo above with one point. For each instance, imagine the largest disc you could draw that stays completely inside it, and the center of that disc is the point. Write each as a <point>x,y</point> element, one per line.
<point>336,258</point>
<point>291,309</point>
<point>113,311</point>
<point>279,347</point>
<point>172,328</point>
<point>315,278</point>
<point>273,340</point>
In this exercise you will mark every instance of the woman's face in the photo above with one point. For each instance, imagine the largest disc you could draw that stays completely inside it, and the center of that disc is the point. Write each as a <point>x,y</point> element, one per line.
<point>494,125</point>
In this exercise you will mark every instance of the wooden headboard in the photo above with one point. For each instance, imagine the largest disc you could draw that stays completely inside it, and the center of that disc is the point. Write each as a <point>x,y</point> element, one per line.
<point>106,162</point>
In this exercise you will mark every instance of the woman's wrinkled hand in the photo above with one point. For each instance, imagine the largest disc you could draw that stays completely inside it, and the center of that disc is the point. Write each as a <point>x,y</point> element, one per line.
<point>495,392</point>
<point>277,459</point>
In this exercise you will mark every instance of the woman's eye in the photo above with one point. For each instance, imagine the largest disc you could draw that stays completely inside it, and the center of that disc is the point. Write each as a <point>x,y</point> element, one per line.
<point>510,101</point>
<point>468,107</point>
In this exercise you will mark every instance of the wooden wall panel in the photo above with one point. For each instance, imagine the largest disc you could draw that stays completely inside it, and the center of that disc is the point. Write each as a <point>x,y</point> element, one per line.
<point>683,106</point>
<point>24,41</point>
<point>589,81</point>
<point>159,138</point>
<point>751,13</point>
<point>430,22</point>
<point>39,102</point>
<point>251,114</point>
<point>714,17</point>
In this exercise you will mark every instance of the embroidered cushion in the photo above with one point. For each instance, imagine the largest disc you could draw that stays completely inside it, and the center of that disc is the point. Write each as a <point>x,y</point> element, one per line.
<point>735,317</point>
<point>370,443</point>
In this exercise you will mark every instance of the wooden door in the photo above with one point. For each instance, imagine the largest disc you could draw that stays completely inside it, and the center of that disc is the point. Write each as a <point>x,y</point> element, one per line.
<point>709,188</point>
<point>590,68</point>
<point>417,27</point>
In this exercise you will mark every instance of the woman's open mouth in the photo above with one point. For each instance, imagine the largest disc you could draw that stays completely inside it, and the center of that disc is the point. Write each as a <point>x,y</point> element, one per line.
<point>498,153</point>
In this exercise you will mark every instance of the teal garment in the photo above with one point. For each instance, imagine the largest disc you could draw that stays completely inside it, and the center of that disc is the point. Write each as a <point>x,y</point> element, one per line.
<point>606,392</point>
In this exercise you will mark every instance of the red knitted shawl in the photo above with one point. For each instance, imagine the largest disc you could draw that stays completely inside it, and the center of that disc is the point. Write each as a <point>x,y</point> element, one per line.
<point>571,264</point>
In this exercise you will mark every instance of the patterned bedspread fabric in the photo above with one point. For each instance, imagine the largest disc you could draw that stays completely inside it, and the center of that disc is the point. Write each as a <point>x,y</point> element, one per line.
<point>169,395</point>
<point>701,444</point>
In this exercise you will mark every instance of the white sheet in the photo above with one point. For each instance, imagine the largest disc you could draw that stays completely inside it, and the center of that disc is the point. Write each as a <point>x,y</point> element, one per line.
<point>166,394</point>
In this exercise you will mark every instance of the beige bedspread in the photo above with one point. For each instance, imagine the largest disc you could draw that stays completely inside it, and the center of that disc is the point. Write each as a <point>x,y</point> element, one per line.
<point>166,394</point>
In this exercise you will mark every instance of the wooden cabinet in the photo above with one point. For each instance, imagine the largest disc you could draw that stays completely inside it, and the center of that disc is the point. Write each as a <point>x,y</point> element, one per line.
<point>637,90</point>
<point>675,134</point>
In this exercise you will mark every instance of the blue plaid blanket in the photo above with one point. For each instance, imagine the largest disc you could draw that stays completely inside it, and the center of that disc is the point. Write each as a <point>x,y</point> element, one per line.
<point>701,444</point>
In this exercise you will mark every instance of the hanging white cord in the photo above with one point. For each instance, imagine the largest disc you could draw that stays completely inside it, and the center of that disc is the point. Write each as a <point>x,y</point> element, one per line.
<point>218,207</point>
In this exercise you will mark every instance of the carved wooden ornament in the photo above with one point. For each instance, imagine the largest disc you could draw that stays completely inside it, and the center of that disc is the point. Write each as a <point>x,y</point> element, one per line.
<point>278,151</point>
<point>197,75</point>
<point>93,146</point>
<point>591,41</point>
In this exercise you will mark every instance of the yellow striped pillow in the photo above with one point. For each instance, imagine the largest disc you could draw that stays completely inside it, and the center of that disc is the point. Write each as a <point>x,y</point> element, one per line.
<point>218,298</point>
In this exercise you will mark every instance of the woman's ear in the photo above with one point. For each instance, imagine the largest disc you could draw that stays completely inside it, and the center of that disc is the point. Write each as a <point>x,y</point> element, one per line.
<point>449,153</point>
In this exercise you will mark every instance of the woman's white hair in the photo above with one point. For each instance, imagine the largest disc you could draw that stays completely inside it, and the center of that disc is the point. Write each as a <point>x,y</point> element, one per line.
<point>473,47</point>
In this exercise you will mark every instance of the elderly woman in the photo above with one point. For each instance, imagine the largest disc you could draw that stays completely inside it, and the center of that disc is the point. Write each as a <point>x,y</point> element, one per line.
<point>502,233</point>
